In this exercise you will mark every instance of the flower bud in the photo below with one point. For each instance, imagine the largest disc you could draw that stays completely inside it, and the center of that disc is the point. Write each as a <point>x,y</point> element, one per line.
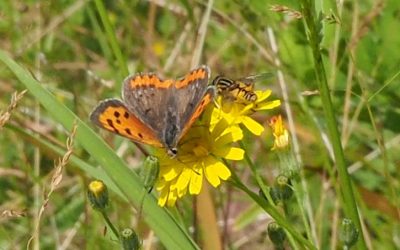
<point>348,233</point>
<point>98,195</point>
<point>281,191</point>
<point>149,172</point>
<point>129,239</point>
<point>280,133</point>
<point>276,234</point>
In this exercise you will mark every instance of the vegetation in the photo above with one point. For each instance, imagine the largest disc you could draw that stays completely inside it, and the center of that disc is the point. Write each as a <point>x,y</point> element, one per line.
<point>318,171</point>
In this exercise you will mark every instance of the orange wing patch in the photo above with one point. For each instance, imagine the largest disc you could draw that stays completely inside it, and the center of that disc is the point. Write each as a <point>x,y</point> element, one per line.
<point>146,80</point>
<point>200,73</point>
<point>199,110</point>
<point>113,116</point>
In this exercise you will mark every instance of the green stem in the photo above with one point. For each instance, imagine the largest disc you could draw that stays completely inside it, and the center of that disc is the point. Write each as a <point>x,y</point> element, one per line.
<point>288,163</point>
<point>260,182</point>
<point>109,223</point>
<point>272,211</point>
<point>350,206</point>
<point>111,37</point>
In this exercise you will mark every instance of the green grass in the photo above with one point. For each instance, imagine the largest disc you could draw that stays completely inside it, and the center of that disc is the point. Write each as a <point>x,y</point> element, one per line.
<point>338,82</point>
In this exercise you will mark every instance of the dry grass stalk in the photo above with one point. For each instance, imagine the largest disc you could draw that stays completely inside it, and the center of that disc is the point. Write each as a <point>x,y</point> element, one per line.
<point>5,116</point>
<point>57,176</point>
<point>286,10</point>
<point>13,213</point>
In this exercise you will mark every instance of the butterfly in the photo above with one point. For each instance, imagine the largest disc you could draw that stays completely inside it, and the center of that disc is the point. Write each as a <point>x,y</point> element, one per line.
<point>241,90</point>
<point>154,111</point>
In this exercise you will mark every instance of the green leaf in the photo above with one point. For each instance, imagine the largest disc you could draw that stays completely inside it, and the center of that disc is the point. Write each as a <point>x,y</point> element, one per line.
<point>159,219</point>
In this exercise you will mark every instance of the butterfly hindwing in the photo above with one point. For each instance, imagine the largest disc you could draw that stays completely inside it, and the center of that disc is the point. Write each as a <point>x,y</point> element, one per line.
<point>191,91</point>
<point>113,116</point>
<point>207,98</point>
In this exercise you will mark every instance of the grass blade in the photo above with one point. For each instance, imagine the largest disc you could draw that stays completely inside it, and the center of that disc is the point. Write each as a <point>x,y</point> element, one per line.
<point>169,232</point>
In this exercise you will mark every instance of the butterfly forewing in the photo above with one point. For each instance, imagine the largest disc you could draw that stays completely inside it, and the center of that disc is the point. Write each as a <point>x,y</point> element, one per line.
<point>147,96</point>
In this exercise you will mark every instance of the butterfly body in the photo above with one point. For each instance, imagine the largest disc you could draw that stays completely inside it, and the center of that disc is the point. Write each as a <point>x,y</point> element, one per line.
<point>163,109</point>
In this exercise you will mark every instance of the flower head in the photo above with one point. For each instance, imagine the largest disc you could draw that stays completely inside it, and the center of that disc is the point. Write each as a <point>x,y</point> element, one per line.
<point>199,156</point>
<point>207,144</point>
<point>237,113</point>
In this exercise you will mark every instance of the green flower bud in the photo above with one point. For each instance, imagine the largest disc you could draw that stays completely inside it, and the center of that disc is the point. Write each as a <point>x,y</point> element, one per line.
<point>276,234</point>
<point>348,233</point>
<point>129,239</point>
<point>262,195</point>
<point>149,172</point>
<point>98,195</point>
<point>282,190</point>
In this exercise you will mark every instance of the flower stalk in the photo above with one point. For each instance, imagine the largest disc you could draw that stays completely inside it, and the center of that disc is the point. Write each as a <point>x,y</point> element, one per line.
<point>313,27</point>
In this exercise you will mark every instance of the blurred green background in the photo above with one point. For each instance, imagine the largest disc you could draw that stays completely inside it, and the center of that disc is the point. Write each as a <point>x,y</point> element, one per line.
<point>65,47</point>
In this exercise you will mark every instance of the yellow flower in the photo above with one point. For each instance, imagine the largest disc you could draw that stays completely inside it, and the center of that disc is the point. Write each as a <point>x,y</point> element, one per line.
<point>280,133</point>
<point>98,194</point>
<point>199,156</point>
<point>237,113</point>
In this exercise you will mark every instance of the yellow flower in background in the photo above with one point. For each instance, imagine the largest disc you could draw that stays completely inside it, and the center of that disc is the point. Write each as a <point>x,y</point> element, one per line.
<point>159,48</point>
<point>280,133</point>
<point>237,113</point>
<point>199,156</point>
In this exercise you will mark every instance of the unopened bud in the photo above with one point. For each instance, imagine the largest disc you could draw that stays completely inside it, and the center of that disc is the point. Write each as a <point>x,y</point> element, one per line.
<point>348,233</point>
<point>276,234</point>
<point>98,195</point>
<point>129,239</point>
<point>282,190</point>
<point>149,172</point>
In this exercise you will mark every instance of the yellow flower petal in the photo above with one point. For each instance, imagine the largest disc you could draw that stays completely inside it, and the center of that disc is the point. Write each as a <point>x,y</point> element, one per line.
<point>231,134</point>
<point>172,197</point>
<point>212,176</point>
<point>268,105</point>
<point>262,95</point>
<point>162,199</point>
<point>182,181</point>
<point>170,172</point>
<point>230,153</point>
<point>252,125</point>
<point>219,128</point>
<point>215,172</point>
<point>161,184</point>
<point>196,182</point>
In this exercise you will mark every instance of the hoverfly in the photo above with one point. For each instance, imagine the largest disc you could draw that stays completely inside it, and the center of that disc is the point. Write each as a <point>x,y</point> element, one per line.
<point>241,90</point>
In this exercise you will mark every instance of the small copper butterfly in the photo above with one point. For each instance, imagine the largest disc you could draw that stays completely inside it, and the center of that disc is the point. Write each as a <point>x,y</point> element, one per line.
<point>241,89</point>
<point>154,111</point>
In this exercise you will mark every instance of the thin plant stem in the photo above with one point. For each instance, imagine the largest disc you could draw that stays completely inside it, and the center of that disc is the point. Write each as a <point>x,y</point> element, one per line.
<point>288,161</point>
<point>109,223</point>
<point>264,188</point>
<point>201,35</point>
<point>272,211</point>
<point>349,202</point>
<point>111,37</point>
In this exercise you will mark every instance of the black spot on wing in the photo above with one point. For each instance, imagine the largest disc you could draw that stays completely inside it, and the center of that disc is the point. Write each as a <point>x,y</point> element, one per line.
<point>110,123</point>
